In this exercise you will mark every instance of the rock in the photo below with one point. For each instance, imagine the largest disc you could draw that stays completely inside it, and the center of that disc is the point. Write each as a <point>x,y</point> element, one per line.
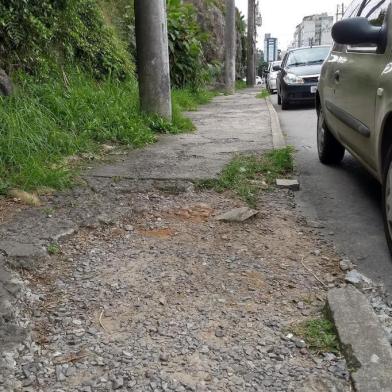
<point>219,332</point>
<point>59,373</point>
<point>163,357</point>
<point>117,383</point>
<point>6,87</point>
<point>293,185</point>
<point>346,265</point>
<point>237,215</point>
<point>357,279</point>
<point>300,344</point>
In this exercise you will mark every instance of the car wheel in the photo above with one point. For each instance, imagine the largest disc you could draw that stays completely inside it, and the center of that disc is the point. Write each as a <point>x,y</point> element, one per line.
<point>279,99</point>
<point>285,104</point>
<point>387,198</point>
<point>330,151</point>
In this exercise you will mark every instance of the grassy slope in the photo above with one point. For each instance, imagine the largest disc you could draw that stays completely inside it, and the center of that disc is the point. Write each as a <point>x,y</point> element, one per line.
<point>46,122</point>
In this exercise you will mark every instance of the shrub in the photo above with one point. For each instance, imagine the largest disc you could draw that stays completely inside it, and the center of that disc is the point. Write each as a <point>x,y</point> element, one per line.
<point>37,36</point>
<point>187,64</point>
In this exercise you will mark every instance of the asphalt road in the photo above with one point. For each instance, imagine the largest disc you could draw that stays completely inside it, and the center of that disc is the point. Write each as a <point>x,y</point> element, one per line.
<point>344,198</point>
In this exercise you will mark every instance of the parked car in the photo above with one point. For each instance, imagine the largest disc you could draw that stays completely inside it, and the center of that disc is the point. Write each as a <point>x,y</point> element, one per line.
<point>272,73</point>
<point>300,71</point>
<point>259,80</point>
<point>354,101</point>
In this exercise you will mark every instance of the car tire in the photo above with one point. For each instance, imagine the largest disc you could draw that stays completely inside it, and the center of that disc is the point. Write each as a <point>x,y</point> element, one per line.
<point>330,151</point>
<point>279,99</point>
<point>387,198</point>
<point>285,104</point>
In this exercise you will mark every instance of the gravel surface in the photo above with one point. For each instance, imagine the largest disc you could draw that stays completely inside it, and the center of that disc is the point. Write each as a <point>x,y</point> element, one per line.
<point>163,297</point>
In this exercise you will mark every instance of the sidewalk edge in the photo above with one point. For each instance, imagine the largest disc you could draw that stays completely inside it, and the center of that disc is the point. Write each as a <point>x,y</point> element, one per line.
<point>278,139</point>
<point>364,344</point>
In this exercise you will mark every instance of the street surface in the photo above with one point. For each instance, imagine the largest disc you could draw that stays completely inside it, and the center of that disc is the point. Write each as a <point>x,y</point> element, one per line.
<point>345,199</point>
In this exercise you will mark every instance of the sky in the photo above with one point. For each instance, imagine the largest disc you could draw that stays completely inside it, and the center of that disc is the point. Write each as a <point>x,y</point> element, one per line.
<point>280,17</point>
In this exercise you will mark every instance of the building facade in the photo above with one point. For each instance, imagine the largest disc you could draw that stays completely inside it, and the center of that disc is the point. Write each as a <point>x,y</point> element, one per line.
<point>270,48</point>
<point>314,30</point>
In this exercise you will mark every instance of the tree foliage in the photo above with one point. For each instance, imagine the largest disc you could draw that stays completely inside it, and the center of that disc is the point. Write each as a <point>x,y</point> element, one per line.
<point>187,64</point>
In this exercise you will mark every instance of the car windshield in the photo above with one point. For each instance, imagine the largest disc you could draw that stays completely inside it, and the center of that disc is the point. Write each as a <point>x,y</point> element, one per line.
<point>307,56</point>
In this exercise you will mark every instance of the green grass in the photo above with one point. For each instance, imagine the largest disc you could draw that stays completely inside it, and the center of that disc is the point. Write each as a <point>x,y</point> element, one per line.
<point>319,335</point>
<point>53,249</point>
<point>240,84</point>
<point>247,175</point>
<point>47,121</point>
<point>263,94</point>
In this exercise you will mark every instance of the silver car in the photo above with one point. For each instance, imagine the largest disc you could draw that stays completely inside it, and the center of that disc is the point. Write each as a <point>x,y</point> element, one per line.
<point>272,74</point>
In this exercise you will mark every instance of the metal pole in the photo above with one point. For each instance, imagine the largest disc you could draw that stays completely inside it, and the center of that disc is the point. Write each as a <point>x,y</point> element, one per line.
<point>153,57</point>
<point>230,47</point>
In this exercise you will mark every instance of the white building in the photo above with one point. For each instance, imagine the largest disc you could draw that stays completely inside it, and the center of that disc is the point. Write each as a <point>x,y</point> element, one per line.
<point>314,30</point>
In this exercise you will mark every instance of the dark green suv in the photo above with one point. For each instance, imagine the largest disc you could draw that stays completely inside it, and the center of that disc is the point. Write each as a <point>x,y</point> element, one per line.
<point>354,99</point>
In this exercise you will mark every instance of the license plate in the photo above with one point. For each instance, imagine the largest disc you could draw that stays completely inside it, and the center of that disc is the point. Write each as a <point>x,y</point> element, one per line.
<point>313,89</point>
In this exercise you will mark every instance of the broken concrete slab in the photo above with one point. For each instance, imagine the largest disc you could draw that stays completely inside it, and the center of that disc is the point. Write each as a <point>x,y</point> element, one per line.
<point>364,343</point>
<point>237,215</point>
<point>293,185</point>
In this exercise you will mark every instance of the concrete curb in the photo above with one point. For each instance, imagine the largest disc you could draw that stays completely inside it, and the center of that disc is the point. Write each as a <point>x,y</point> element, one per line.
<point>364,343</point>
<point>278,139</point>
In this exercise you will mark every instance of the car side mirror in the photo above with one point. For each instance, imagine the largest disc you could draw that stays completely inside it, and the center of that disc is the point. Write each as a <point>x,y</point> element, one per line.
<point>356,31</point>
<point>276,68</point>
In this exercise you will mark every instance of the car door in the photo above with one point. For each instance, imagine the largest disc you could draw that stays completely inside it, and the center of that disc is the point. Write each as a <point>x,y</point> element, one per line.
<point>356,80</point>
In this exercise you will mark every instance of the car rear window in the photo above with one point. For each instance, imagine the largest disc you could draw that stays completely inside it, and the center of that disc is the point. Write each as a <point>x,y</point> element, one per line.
<point>308,56</point>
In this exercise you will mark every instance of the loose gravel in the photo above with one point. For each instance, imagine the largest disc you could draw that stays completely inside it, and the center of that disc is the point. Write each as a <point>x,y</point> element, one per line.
<point>163,297</point>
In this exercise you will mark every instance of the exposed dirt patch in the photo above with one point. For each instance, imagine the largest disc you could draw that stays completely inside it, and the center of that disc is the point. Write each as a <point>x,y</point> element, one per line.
<point>168,298</point>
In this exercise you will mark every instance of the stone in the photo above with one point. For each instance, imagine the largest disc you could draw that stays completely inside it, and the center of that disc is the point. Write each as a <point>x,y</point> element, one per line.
<point>357,279</point>
<point>346,265</point>
<point>59,373</point>
<point>117,383</point>
<point>237,215</point>
<point>292,185</point>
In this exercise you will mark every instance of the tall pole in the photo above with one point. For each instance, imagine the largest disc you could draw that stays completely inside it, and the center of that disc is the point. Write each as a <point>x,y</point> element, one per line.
<point>153,57</point>
<point>251,69</point>
<point>230,47</point>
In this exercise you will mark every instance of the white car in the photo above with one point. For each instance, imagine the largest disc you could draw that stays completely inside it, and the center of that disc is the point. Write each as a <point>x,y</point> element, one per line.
<point>272,74</point>
<point>259,80</point>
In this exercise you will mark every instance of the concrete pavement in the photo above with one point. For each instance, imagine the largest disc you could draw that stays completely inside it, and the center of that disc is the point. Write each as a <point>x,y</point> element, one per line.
<point>238,123</point>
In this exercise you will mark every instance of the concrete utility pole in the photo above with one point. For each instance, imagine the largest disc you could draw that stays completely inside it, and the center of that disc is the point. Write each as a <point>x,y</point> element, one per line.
<point>153,57</point>
<point>230,47</point>
<point>251,53</point>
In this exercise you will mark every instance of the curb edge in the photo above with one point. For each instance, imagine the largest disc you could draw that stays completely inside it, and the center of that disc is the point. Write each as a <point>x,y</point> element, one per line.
<point>278,139</point>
